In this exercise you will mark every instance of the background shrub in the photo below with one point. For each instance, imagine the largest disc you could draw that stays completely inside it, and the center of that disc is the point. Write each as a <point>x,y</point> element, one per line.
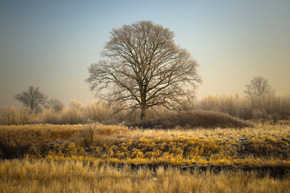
<point>9,116</point>
<point>195,119</point>
<point>97,112</point>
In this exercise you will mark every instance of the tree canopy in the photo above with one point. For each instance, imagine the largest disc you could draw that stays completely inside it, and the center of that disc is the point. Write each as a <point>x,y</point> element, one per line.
<point>259,86</point>
<point>143,67</point>
<point>32,98</point>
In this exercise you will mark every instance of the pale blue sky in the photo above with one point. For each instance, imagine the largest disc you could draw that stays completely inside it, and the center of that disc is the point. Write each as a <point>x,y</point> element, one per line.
<point>51,44</point>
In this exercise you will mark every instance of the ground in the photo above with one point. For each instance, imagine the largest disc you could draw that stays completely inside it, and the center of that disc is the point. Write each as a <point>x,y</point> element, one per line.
<point>98,158</point>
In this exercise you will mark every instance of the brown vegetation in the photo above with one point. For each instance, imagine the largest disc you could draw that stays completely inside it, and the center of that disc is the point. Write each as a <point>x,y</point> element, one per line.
<point>76,114</point>
<point>17,141</point>
<point>255,146</point>
<point>79,176</point>
<point>273,109</point>
<point>267,108</point>
<point>195,119</point>
<point>83,158</point>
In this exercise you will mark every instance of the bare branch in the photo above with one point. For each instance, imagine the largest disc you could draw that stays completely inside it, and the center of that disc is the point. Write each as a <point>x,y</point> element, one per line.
<point>259,86</point>
<point>32,98</point>
<point>143,67</point>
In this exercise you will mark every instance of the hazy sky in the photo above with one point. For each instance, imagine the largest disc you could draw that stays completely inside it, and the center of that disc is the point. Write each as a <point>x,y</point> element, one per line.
<point>51,44</point>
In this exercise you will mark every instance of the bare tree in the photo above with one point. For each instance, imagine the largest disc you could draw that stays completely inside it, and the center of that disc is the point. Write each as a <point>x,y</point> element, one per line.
<point>32,98</point>
<point>143,67</point>
<point>259,86</point>
<point>55,104</point>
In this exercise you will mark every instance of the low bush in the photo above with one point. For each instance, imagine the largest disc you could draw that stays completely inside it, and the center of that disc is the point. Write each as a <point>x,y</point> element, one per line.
<point>9,116</point>
<point>51,117</point>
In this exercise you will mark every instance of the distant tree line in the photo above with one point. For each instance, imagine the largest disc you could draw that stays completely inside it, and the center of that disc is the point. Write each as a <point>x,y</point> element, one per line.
<point>260,103</point>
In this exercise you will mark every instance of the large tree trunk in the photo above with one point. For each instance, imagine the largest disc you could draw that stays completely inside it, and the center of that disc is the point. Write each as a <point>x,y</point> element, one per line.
<point>143,113</point>
<point>143,101</point>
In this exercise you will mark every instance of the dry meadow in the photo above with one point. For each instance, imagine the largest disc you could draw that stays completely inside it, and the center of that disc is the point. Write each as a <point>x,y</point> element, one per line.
<point>115,158</point>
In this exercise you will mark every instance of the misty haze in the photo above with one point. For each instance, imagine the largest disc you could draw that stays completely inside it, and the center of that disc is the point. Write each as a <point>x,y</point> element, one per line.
<point>155,96</point>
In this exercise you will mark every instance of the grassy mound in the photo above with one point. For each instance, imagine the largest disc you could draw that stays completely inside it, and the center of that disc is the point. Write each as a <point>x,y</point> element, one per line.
<point>195,119</point>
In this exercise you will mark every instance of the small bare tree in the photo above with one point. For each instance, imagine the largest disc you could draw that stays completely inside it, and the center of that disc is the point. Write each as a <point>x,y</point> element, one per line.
<point>55,104</point>
<point>143,68</point>
<point>32,98</point>
<point>260,87</point>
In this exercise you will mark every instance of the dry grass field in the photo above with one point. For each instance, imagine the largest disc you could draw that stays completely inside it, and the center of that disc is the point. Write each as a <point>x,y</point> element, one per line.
<point>78,176</point>
<point>115,158</point>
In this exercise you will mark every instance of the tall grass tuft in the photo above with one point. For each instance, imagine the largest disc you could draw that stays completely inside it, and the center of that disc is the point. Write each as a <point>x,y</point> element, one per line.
<point>9,116</point>
<point>77,176</point>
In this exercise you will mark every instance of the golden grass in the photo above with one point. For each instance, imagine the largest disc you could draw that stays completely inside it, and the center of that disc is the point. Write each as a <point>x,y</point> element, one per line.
<point>63,131</point>
<point>66,158</point>
<point>37,134</point>
<point>262,145</point>
<point>77,176</point>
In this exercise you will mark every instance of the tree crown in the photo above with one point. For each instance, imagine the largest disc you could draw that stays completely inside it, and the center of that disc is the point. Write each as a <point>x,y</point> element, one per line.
<point>142,67</point>
<point>259,86</point>
<point>32,98</point>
